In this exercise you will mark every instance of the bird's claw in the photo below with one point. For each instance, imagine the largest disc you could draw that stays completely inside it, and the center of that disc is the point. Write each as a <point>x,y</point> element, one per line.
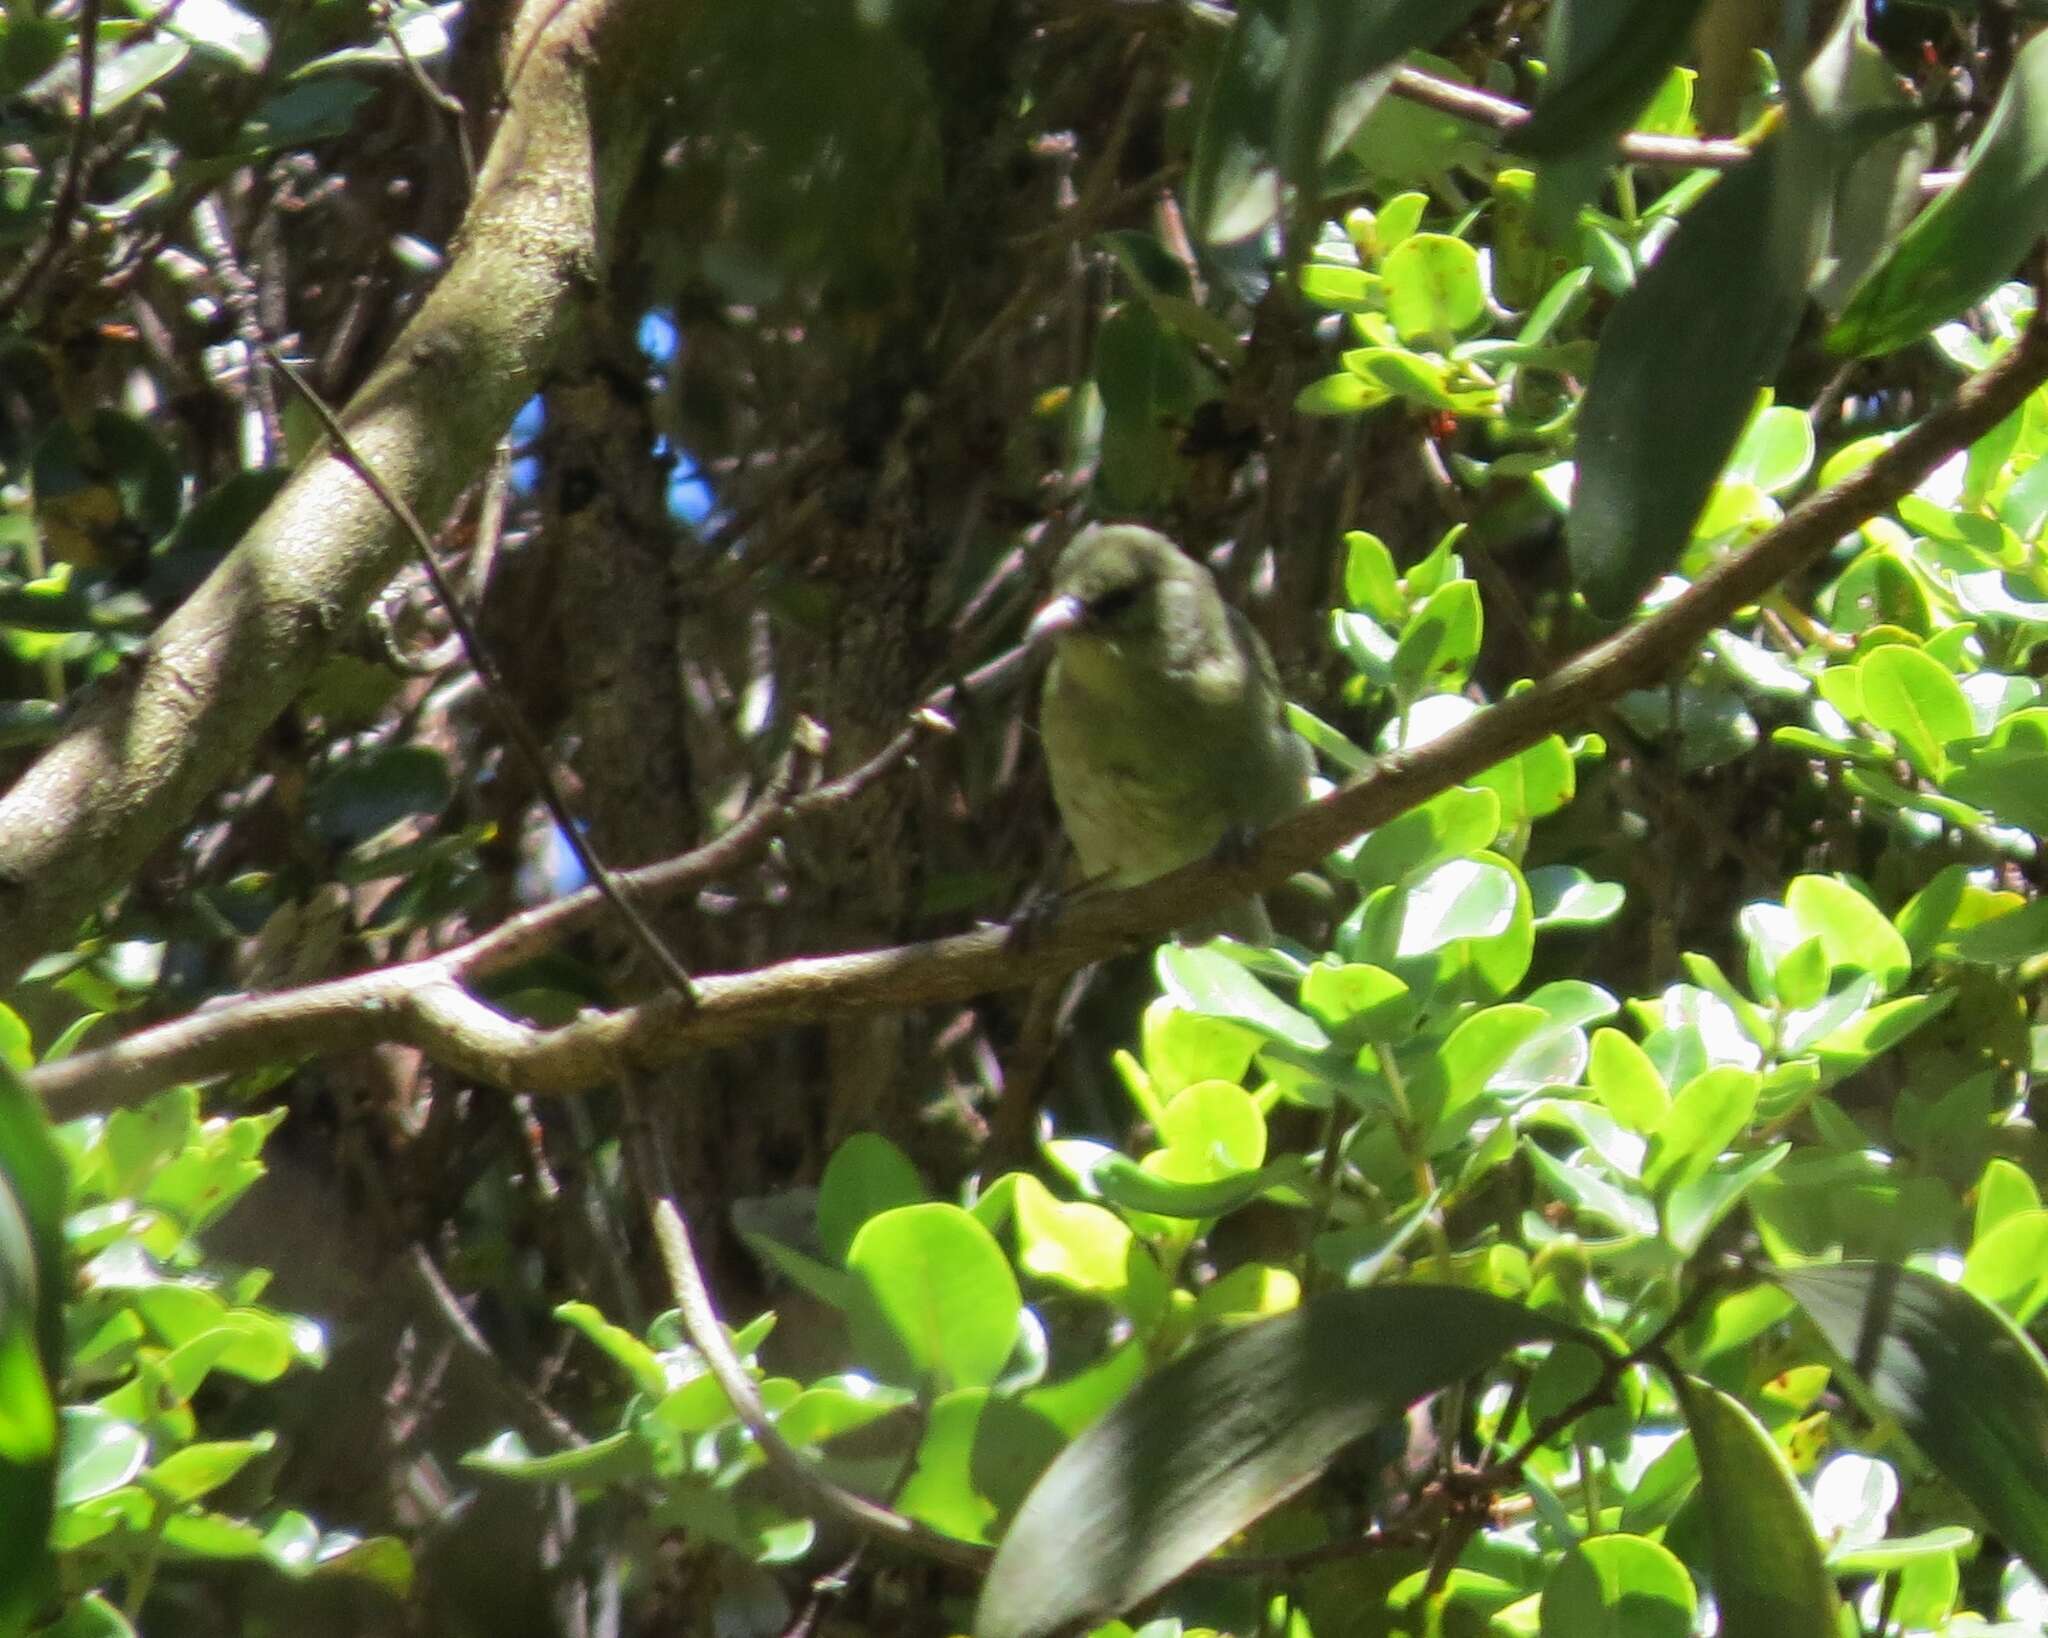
<point>1032,919</point>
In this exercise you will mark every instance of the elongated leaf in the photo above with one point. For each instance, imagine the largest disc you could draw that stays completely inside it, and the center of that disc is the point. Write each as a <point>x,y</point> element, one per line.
<point>1671,392</point>
<point>1769,1578</point>
<point>1220,1436</point>
<point>1851,82</point>
<point>1233,186</point>
<point>1974,235</point>
<point>32,1188</point>
<point>1964,1382</point>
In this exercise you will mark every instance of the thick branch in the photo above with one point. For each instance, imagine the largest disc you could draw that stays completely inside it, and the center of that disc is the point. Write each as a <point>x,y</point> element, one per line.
<point>141,753</point>
<point>423,1004</point>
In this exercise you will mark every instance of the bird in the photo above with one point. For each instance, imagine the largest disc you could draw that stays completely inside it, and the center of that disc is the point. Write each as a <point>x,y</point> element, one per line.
<point>1164,726</point>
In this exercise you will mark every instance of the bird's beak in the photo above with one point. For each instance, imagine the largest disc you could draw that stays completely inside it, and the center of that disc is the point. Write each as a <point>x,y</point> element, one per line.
<point>1055,619</point>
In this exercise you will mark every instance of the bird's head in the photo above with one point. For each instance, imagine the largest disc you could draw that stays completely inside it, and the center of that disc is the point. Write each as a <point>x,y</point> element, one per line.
<point>1123,585</point>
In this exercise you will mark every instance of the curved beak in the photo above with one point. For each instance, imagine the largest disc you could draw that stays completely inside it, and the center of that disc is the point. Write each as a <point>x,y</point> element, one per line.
<point>1055,619</point>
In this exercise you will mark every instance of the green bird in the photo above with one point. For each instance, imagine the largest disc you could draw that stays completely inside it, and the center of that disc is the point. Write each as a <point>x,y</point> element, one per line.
<point>1165,729</point>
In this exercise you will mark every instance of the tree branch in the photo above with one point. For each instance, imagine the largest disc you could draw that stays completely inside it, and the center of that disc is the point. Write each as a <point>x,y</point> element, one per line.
<point>812,1489</point>
<point>424,1004</point>
<point>1468,102</point>
<point>144,749</point>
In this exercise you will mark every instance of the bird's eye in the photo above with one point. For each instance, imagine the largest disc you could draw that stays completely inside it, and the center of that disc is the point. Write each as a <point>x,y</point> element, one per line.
<point>1115,601</point>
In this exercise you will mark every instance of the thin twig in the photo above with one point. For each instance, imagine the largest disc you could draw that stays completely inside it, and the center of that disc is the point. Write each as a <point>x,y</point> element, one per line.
<point>72,188</point>
<point>1636,147</point>
<point>510,718</point>
<point>534,1412</point>
<point>701,1325</point>
<point>446,101</point>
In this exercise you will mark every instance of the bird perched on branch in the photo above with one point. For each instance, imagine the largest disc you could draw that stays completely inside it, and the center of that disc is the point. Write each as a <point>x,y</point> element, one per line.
<point>1164,726</point>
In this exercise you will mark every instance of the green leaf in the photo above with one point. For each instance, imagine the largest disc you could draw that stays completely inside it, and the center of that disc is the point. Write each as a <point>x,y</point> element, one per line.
<point>1217,1124</point>
<point>1693,1209</point>
<point>418,32</point>
<point>1590,1194</point>
<point>1914,698</point>
<point>1625,1080</point>
<point>1565,896</point>
<point>1357,1001</point>
<point>1533,785</point>
<point>1439,642</point>
<point>1465,899</point>
<point>1149,379</point>
<point>978,1457</point>
<point>1972,237</point>
<point>1123,1182</point>
<point>1801,978</point>
<point>1769,1578</point>
<point>620,1458</point>
<point>1073,1244</point>
<point>1206,981</point>
<point>1618,1586</point>
<point>1371,584</point>
<point>1347,289</point>
<point>1775,452</point>
<point>1961,1379</point>
<point>1706,1116</point>
<point>133,69</point>
<point>317,111</point>
<point>2003,1191</point>
<point>100,1454</point>
<point>1202,1448</point>
<point>936,1300</point>
<point>867,1175</point>
<point>2012,786</point>
<point>1892,1554</point>
<point>89,1617</point>
<point>1853,931</point>
<point>1345,394</point>
<point>2008,1265</point>
<point>197,1469</point>
<point>1435,291</point>
<point>640,1363</point>
<point>1670,395</point>
<point>1181,1048</point>
<point>1447,826</point>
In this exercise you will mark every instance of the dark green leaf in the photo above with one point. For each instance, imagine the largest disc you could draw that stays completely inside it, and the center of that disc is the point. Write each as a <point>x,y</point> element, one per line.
<point>1233,186</point>
<point>1210,1443</point>
<point>369,793</point>
<point>1974,235</point>
<point>1769,1580</point>
<point>32,1198</point>
<point>1123,1182</point>
<point>1960,1378</point>
<point>1671,393</point>
<point>866,1175</point>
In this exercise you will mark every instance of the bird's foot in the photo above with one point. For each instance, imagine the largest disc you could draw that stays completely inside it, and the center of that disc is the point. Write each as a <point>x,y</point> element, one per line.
<point>1032,919</point>
<point>1235,847</point>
